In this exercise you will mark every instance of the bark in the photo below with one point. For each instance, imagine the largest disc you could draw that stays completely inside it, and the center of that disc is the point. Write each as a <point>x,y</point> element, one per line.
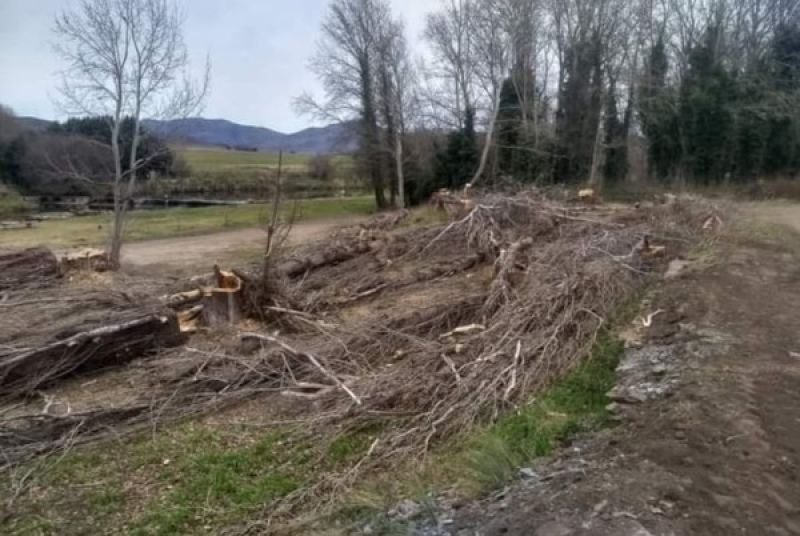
<point>296,267</point>
<point>23,372</point>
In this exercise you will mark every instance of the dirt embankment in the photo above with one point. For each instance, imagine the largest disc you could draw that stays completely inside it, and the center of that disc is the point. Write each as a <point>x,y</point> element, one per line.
<point>709,442</point>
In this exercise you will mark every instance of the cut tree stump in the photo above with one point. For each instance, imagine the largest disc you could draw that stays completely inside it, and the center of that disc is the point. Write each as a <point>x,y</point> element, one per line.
<point>87,259</point>
<point>24,371</point>
<point>223,304</point>
<point>22,268</point>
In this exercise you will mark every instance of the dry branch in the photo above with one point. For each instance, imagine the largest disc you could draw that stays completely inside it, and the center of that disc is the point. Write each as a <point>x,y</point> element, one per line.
<point>30,267</point>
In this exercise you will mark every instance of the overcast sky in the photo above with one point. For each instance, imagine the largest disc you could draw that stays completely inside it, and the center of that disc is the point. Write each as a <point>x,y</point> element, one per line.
<point>259,52</point>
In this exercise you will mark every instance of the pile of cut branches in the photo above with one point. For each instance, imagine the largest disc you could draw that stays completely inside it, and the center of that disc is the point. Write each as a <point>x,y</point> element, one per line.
<point>540,280</point>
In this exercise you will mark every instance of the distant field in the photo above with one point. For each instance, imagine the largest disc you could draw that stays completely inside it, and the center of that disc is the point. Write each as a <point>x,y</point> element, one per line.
<point>218,159</point>
<point>153,224</point>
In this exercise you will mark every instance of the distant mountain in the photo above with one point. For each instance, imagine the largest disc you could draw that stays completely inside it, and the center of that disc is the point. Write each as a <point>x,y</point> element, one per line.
<point>336,138</point>
<point>34,123</point>
<point>331,139</point>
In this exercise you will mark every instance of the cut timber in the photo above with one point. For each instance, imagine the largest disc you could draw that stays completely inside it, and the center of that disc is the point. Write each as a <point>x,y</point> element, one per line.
<point>587,196</point>
<point>21,268</point>
<point>183,299</point>
<point>223,304</point>
<point>22,372</point>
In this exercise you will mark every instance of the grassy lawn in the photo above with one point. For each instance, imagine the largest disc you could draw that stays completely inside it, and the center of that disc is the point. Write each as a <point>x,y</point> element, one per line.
<point>216,159</point>
<point>152,224</point>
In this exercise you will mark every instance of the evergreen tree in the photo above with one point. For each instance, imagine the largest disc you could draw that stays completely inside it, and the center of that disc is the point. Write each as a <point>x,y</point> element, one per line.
<point>707,120</point>
<point>615,166</point>
<point>152,151</point>
<point>457,161</point>
<point>658,104</point>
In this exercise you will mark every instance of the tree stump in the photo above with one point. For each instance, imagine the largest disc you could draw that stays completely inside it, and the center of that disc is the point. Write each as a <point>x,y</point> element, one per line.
<point>222,304</point>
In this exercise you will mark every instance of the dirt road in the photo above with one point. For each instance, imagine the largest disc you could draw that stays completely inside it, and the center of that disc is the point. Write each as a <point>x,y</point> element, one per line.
<point>205,250</point>
<point>787,214</point>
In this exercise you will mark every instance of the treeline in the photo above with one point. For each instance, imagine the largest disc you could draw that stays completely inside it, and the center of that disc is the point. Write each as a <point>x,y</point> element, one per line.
<point>700,91</point>
<point>75,157</point>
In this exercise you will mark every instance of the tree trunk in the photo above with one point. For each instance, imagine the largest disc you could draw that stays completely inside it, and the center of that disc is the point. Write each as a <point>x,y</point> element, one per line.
<point>401,187</point>
<point>223,304</point>
<point>489,137</point>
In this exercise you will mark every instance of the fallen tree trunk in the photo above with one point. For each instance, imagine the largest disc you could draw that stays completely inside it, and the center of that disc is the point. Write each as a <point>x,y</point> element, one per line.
<point>24,371</point>
<point>298,266</point>
<point>30,435</point>
<point>22,268</point>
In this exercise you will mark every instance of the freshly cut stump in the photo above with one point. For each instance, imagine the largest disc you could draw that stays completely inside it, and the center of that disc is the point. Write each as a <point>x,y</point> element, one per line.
<point>223,304</point>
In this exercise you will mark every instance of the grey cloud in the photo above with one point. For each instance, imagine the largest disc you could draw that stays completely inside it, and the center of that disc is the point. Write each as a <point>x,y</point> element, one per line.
<point>259,52</point>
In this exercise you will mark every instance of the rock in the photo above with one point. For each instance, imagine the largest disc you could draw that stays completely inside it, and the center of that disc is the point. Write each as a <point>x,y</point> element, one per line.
<point>527,472</point>
<point>408,509</point>
<point>626,396</point>
<point>675,268</point>
<point>660,370</point>
<point>628,527</point>
<point>599,507</point>
<point>553,528</point>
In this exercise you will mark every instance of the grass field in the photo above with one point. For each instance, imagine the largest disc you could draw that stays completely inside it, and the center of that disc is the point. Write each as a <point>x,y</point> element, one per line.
<point>153,224</point>
<point>218,159</point>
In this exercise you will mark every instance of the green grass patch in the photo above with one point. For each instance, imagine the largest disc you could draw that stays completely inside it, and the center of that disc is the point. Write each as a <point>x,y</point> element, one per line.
<point>220,485</point>
<point>216,159</point>
<point>153,224</point>
<point>491,456</point>
<point>572,405</point>
<point>190,480</point>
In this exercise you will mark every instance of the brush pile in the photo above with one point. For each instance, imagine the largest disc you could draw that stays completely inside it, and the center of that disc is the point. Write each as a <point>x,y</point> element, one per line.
<point>518,289</point>
<point>432,328</point>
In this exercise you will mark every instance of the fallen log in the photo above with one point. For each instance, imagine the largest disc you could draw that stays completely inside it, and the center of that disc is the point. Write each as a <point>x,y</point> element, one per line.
<point>298,266</point>
<point>25,371</point>
<point>30,435</point>
<point>22,268</point>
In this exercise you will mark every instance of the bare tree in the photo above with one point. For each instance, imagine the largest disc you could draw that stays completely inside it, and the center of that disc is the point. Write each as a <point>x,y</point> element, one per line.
<point>347,62</point>
<point>449,33</point>
<point>126,58</point>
